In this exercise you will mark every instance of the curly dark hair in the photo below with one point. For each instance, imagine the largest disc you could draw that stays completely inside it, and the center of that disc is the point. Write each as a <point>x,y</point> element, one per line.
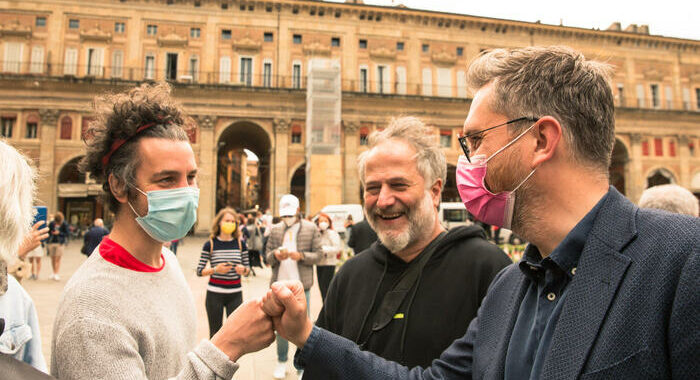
<point>118,116</point>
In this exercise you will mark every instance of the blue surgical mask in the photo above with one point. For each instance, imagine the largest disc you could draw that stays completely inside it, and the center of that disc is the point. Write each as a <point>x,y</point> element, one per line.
<point>171,213</point>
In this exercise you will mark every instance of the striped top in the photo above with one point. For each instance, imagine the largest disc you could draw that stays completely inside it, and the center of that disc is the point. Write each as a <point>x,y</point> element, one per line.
<point>223,252</point>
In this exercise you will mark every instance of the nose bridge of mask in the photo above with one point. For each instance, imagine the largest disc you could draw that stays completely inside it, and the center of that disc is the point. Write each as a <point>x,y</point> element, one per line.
<point>510,143</point>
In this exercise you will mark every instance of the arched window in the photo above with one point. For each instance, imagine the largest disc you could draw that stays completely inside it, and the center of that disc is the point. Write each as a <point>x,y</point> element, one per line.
<point>66,128</point>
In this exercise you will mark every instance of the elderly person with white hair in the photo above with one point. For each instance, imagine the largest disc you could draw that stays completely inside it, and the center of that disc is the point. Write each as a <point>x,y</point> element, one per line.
<point>20,337</point>
<point>671,198</point>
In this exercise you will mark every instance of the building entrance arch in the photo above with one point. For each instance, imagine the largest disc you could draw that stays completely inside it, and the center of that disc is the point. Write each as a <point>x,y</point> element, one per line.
<point>242,182</point>
<point>297,186</point>
<point>449,190</point>
<point>660,176</point>
<point>79,197</point>
<point>619,167</point>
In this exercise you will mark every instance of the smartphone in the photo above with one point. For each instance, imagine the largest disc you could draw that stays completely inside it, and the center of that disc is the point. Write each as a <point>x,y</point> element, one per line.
<point>41,215</point>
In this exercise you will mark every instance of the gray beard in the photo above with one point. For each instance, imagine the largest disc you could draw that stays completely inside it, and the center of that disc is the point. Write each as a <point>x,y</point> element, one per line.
<point>420,222</point>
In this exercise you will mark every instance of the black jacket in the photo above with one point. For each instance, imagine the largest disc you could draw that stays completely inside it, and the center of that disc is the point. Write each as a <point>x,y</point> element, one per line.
<point>361,236</point>
<point>93,238</point>
<point>449,293</point>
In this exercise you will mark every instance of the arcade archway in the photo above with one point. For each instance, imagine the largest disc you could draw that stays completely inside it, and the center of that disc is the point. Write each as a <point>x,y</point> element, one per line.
<point>661,176</point>
<point>242,182</point>
<point>298,185</point>
<point>619,166</point>
<point>449,191</point>
<point>79,198</point>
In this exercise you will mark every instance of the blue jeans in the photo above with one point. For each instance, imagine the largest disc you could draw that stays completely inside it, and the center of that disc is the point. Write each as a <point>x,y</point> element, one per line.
<point>283,344</point>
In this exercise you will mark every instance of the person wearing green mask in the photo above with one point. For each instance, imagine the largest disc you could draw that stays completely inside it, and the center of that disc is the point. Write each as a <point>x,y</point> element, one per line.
<point>128,311</point>
<point>228,260</point>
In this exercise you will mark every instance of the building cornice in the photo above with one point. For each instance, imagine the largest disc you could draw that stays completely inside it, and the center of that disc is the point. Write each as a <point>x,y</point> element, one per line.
<point>317,49</point>
<point>172,40</point>
<point>425,18</point>
<point>15,29</point>
<point>247,44</point>
<point>95,34</point>
<point>444,20</point>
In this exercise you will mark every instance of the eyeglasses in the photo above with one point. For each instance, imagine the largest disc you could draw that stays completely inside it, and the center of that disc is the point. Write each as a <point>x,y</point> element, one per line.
<point>465,145</point>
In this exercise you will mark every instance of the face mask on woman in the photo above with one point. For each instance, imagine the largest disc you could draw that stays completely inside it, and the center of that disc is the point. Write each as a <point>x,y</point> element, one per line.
<point>228,227</point>
<point>323,226</point>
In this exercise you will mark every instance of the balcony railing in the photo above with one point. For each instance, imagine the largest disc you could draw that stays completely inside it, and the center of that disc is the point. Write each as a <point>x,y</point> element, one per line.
<point>219,78</point>
<point>293,82</point>
<point>657,104</point>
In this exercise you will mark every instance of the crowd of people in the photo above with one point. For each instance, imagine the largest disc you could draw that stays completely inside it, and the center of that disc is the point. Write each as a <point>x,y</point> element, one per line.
<point>605,288</point>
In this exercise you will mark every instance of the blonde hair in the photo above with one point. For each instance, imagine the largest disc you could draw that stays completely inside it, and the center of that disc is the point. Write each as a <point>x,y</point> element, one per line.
<point>215,226</point>
<point>17,189</point>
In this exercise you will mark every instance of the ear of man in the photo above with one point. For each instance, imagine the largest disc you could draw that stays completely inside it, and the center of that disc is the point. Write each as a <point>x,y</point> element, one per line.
<point>118,188</point>
<point>548,133</point>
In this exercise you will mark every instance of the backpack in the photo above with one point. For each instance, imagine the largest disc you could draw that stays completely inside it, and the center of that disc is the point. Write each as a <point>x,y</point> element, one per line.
<point>256,241</point>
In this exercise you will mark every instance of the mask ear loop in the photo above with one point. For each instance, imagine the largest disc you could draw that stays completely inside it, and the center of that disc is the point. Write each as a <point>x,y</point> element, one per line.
<point>526,178</point>
<point>129,203</point>
<point>510,143</point>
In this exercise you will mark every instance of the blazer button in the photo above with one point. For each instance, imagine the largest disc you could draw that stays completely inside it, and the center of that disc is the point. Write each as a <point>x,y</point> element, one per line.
<point>551,296</point>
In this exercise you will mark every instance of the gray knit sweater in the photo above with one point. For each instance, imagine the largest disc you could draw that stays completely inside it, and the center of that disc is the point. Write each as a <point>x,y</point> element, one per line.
<point>116,323</point>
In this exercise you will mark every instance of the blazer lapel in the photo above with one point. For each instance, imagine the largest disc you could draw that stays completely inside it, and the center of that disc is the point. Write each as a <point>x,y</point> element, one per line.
<point>600,271</point>
<point>495,369</point>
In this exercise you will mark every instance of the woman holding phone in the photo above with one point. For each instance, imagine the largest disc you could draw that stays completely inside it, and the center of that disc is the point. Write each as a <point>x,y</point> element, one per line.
<point>228,261</point>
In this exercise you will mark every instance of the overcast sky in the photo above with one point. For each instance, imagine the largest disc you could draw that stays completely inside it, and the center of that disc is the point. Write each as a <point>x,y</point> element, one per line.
<point>672,18</point>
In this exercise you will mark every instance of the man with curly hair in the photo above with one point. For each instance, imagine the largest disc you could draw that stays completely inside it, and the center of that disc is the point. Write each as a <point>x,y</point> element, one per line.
<point>128,312</point>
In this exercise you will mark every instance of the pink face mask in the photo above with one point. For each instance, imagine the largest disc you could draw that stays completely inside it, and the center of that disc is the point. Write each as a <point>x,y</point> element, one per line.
<point>487,207</point>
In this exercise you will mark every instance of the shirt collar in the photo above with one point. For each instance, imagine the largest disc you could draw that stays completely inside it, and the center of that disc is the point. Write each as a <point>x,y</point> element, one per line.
<point>566,255</point>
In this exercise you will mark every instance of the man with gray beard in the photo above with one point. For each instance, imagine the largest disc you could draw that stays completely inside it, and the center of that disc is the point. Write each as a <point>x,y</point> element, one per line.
<point>395,298</point>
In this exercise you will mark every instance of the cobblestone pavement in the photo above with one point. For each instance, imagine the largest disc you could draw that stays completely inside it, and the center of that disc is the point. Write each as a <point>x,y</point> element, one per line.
<point>46,294</point>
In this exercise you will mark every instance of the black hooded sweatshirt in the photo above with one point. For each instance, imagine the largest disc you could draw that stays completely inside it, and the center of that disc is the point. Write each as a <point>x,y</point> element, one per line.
<point>448,294</point>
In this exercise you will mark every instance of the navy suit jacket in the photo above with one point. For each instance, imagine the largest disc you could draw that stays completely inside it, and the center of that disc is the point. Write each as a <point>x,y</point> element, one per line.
<point>632,311</point>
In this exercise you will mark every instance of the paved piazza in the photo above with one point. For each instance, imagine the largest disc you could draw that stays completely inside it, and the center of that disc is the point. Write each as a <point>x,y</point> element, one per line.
<point>46,294</point>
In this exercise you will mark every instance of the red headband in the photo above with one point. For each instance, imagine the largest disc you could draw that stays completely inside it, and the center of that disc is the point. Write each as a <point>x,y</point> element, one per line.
<point>119,142</point>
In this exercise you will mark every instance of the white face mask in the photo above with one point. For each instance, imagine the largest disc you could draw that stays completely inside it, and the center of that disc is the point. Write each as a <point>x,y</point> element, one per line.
<point>323,226</point>
<point>289,220</point>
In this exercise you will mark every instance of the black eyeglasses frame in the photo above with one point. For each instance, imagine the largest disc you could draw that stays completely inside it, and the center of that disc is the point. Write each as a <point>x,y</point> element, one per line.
<point>463,139</point>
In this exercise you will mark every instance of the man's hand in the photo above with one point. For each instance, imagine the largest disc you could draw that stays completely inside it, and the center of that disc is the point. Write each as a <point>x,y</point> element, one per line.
<point>281,255</point>
<point>33,240</point>
<point>247,330</point>
<point>241,270</point>
<point>285,302</point>
<point>296,256</point>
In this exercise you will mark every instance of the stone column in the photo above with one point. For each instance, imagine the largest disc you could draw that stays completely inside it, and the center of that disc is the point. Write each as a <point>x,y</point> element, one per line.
<point>684,155</point>
<point>207,172</point>
<point>281,185</point>
<point>351,179</point>
<point>46,180</point>
<point>630,84</point>
<point>636,173</point>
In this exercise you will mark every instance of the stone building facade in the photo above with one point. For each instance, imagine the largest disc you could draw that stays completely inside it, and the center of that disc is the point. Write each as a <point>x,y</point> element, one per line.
<point>239,67</point>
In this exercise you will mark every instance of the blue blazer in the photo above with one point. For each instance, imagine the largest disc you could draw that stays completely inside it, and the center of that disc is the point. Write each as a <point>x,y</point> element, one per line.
<point>632,311</point>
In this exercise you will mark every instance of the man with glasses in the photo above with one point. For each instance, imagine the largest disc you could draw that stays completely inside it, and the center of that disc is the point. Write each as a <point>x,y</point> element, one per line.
<point>605,290</point>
